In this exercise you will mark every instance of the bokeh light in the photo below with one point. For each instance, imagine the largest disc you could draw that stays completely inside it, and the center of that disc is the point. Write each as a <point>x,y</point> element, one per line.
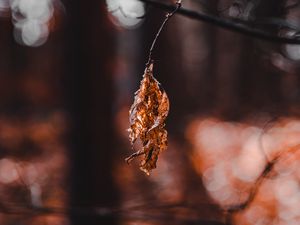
<point>8,172</point>
<point>231,166</point>
<point>4,7</point>
<point>33,168</point>
<point>293,51</point>
<point>126,13</point>
<point>31,19</point>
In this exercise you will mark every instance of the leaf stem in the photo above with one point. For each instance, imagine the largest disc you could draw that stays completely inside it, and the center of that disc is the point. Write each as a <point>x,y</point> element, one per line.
<point>167,17</point>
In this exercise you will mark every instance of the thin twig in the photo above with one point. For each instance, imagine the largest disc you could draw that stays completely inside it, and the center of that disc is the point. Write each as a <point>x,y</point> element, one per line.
<point>168,16</point>
<point>229,24</point>
<point>264,129</point>
<point>267,170</point>
<point>231,210</point>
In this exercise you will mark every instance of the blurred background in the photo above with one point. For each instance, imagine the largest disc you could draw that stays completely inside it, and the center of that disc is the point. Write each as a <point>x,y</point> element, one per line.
<point>68,73</point>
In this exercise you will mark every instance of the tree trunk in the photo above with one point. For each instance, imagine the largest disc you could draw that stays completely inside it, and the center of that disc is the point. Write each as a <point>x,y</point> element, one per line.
<point>90,49</point>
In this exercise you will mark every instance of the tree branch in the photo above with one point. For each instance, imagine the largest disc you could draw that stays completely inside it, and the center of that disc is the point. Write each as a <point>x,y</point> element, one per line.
<point>231,210</point>
<point>229,24</point>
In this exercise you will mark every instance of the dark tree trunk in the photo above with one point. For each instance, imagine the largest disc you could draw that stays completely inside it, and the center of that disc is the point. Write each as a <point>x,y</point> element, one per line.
<point>90,50</point>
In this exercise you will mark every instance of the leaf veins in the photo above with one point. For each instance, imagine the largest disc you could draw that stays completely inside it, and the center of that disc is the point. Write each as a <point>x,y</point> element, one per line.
<point>147,121</point>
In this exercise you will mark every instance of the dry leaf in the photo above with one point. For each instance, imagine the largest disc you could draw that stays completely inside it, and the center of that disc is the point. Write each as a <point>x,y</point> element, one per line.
<point>147,116</point>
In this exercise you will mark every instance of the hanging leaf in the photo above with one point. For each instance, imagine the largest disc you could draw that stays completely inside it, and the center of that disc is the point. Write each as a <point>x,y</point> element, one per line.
<point>147,120</point>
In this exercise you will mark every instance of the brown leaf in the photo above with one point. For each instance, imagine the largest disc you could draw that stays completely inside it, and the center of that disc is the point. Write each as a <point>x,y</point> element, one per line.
<point>147,120</point>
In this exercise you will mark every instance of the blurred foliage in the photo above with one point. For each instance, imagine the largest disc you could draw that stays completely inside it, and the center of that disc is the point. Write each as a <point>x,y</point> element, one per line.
<point>234,114</point>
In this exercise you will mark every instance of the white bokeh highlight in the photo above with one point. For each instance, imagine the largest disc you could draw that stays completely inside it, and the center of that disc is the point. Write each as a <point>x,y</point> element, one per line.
<point>31,19</point>
<point>126,13</point>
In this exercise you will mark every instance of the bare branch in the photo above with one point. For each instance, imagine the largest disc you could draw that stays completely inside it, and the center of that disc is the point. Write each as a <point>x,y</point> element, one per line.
<point>229,24</point>
<point>231,210</point>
